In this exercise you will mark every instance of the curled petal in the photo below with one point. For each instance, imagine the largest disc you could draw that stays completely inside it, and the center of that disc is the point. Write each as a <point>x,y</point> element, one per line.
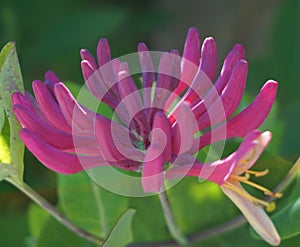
<point>80,118</point>
<point>255,215</point>
<point>229,99</point>
<point>94,82</point>
<point>219,171</point>
<point>51,157</point>
<point>157,154</point>
<point>35,123</point>
<point>63,162</point>
<point>251,148</point>
<point>249,119</point>
<point>103,52</point>
<point>167,78</point>
<point>128,91</point>
<point>197,90</point>
<point>230,62</point>
<point>131,99</point>
<point>189,63</point>
<point>161,135</point>
<point>113,142</point>
<point>184,129</point>
<point>147,72</point>
<point>19,99</point>
<point>49,107</point>
<point>209,58</point>
<point>86,55</point>
<point>190,59</point>
<point>106,143</point>
<point>152,174</point>
<point>51,76</point>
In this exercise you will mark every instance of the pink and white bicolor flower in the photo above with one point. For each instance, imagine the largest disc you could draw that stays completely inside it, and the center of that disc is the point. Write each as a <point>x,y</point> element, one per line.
<point>230,173</point>
<point>153,130</point>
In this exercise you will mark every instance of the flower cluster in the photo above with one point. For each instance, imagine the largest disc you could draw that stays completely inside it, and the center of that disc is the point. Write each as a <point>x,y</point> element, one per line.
<point>158,131</point>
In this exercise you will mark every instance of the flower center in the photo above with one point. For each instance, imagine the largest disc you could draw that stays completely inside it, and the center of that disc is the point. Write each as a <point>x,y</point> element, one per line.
<point>270,206</point>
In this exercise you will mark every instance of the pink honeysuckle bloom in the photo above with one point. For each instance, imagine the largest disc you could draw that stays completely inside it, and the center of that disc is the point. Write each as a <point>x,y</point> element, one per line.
<point>153,128</point>
<point>228,173</point>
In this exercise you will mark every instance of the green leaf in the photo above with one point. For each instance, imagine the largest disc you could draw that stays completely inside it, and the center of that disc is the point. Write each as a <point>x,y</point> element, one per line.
<point>199,205</point>
<point>148,222</point>
<point>53,233</point>
<point>2,117</point>
<point>88,205</point>
<point>287,220</point>
<point>5,156</point>
<point>37,218</point>
<point>121,234</point>
<point>13,227</point>
<point>11,81</point>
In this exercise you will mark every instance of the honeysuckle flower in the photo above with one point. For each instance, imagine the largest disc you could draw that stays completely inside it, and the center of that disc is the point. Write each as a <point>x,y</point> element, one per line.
<point>229,173</point>
<point>152,130</point>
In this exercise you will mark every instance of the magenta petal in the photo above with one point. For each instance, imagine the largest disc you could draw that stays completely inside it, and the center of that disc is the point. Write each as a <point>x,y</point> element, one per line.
<point>209,58</point>
<point>157,154</point>
<point>105,66</point>
<point>63,162</point>
<point>229,99</point>
<point>107,141</point>
<point>152,174</point>
<point>191,50</point>
<point>130,97</point>
<point>198,88</point>
<point>249,119</point>
<point>86,55</point>
<point>189,63</point>
<point>51,157</point>
<point>35,123</point>
<point>49,107</point>
<point>161,135</point>
<point>128,91</point>
<point>231,60</point>
<point>110,78</point>
<point>147,72</point>
<point>51,76</point>
<point>19,99</point>
<point>219,171</point>
<point>184,129</point>
<point>95,84</point>
<point>115,63</point>
<point>254,115</point>
<point>55,137</point>
<point>215,171</point>
<point>80,118</point>
<point>103,52</point>
<point>167,78</point>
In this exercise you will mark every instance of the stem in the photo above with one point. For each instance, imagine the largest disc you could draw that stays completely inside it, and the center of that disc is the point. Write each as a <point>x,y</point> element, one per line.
<point>37,198</point>
<point>173,228</point>
<point>289,178</point>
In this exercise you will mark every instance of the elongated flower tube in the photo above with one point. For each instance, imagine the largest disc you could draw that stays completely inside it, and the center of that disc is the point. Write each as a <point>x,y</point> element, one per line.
<point>230,173</point>
<point>152,128</point>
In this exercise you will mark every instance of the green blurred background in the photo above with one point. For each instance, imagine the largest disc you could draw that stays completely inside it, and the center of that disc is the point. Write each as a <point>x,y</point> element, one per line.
<point>50,34</point>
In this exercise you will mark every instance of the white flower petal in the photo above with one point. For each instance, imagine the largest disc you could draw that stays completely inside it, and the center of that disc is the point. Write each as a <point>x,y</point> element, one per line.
<point>255,215</point>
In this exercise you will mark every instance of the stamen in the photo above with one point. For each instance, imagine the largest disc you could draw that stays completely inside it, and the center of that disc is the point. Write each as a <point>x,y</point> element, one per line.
<point>247,196</point>
<point>255,173</point>
<point>245,179</point>
<point>258,173</point>
<point>270,206</point>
